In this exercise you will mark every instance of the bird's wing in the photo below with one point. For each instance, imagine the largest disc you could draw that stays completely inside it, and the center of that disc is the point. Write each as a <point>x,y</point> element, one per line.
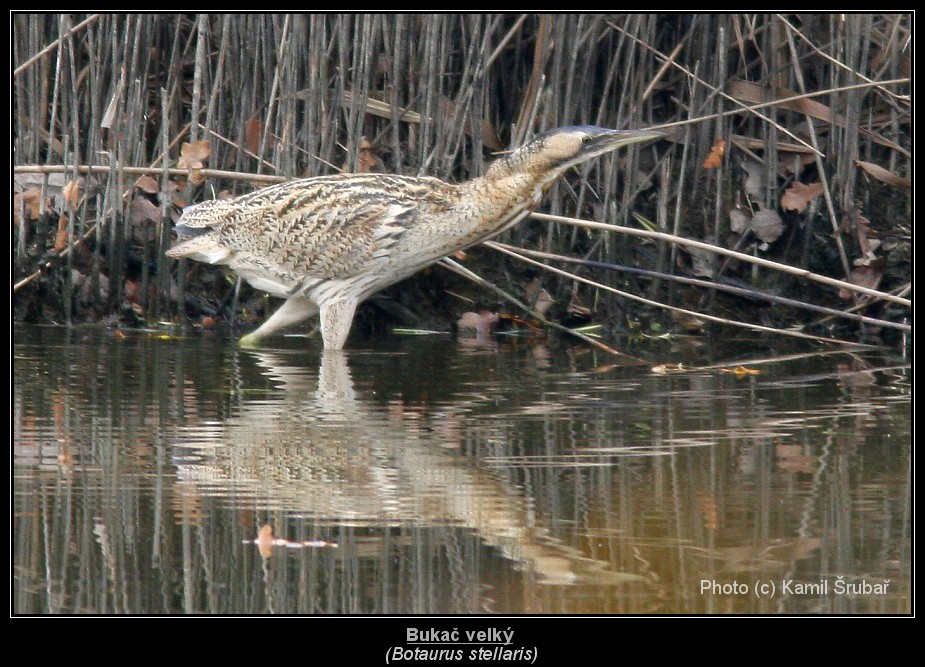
<point>319,228</point>
<point>197,233</point>
<point>210,213</point>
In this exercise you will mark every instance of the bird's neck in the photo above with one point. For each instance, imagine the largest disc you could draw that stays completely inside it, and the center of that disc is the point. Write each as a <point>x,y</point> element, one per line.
<point>491,203</point>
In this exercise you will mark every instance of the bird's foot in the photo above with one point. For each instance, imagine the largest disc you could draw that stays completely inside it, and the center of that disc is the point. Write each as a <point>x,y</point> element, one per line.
<point>250,340</point>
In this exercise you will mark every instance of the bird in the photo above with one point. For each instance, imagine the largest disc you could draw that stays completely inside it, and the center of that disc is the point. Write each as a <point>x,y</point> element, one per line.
<point>327,243</point>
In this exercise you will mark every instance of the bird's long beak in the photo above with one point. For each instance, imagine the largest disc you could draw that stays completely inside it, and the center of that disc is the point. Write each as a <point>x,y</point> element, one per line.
<point>609,140</point>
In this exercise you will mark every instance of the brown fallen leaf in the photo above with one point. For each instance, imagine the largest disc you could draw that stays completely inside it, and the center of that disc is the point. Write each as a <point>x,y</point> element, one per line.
<point>71,193</point>
<point>715,158</point>
<point>866,275</point>
<point>253,133</point>
<point>687,322</point>
<point>32,199</point>
<point>367,160</point>
<point>147,184</point>
<point>576,308</point>
<point>481,323</point>
<point>193,156</point>
<point>61,236</point>
<point>884,175</point>
<point>538,297</point>
<point>142,210</point>
<point>798,196</point>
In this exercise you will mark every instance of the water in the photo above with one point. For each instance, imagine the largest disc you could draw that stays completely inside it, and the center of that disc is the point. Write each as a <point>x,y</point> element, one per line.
<point>420,476</point>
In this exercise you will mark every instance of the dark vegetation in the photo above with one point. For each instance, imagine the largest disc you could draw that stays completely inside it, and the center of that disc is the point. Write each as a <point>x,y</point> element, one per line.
<point>789,139</point>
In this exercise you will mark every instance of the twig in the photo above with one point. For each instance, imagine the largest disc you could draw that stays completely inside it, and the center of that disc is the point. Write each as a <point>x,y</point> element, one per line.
<point>899,291</point>
<point>820,167</point>
<point>731,289</point>
<point>703,316</point>
<point>760,261</point>
<point>51,47</point>
<point>835,61</point>
<point>104,169</point>
<point>793,98</point>
<point>712,88</point>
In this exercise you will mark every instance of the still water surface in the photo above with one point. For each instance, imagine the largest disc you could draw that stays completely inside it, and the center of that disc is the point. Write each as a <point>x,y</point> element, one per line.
<point>421,477</point>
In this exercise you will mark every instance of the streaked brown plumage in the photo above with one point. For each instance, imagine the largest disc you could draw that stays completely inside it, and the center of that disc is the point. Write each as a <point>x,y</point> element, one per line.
<point>325,244</point>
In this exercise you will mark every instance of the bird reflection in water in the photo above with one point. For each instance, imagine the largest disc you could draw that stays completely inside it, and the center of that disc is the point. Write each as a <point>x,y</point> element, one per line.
<point>322,452</point>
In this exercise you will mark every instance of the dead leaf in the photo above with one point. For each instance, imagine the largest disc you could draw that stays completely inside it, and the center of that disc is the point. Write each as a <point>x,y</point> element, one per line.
<point>798,196</point>
<point>32,198</point>
<point>687,322</point>
<point>767,225</point>
<point>147,184</point>
<point>754,182</point>
<point>738,220</point>
<point>193,157</point>
<point>142,210</point>
<point>715,158</point>
<point>538,297</point>
<point>61,236</point>
<point>71,193</point>
<point>367,160</point>
<point>754,93</point>
<point>576,308</point>
<point>253,133</point>
<point>481,323</point>
<point>884,175</point>
<point>866,275</point>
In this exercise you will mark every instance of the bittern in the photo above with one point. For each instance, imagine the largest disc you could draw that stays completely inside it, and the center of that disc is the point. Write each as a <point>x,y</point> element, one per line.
<point>327,243</point>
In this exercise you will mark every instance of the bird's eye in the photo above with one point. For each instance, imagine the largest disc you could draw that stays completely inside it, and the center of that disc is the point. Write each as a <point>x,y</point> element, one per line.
<point>586,139</point>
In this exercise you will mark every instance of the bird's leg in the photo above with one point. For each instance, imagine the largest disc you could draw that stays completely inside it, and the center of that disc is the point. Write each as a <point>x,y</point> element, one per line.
<point>295,309</point>
<point>336,318</point>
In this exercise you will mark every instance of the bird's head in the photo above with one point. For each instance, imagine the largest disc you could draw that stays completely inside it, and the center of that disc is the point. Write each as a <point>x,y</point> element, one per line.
<point>550,154</point>
<point>566,147</point>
